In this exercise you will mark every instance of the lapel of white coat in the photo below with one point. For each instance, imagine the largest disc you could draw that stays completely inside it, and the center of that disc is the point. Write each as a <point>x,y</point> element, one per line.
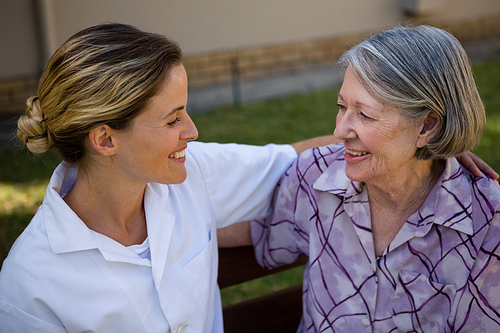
<point>178,293</point>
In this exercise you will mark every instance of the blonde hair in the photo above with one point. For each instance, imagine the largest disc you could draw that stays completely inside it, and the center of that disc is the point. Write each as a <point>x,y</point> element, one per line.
<point>421,69</point>
<point>101,75</point>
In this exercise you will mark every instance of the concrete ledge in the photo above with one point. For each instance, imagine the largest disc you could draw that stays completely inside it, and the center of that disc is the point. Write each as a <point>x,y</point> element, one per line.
<point>206,98</point>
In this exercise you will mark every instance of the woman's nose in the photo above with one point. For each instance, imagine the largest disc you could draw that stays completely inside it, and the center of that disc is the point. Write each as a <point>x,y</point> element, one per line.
<point>343,127</point>
<point>190,132</point>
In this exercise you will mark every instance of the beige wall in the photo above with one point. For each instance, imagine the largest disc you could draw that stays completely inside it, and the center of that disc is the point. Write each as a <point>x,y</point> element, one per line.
<point>450,10</point>
<point>18,45</point>
<point>202,26</point>
<point>207,25</point>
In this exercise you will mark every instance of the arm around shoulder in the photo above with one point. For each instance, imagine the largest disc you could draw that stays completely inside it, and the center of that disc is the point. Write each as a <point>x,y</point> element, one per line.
<point>237,234</point>
<point>314,142</point>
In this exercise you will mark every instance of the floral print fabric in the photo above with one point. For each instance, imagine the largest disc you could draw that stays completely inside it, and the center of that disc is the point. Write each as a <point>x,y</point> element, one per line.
<point>441,273</point>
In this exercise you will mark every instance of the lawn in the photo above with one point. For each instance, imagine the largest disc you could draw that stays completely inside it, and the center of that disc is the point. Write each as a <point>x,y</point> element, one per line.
<point>23,177</point>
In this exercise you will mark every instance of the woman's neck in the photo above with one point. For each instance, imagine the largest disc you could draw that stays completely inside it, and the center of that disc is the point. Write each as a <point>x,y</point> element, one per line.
<point>406,189</point>
<point>110,207</point>
<point>393,202</point>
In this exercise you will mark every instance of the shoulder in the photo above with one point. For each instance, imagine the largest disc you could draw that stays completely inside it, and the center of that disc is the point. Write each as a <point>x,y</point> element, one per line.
<point>26,262</point>
<point>218,161</point>
<point>211,150</point>
<point>33,237</point>
<point>326,155</point>
<point>484,194</point>
<point>313,162</point>
<point>484,189</point>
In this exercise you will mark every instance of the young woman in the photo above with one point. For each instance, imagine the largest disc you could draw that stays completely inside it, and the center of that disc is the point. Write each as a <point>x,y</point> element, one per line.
<point>125,240</point>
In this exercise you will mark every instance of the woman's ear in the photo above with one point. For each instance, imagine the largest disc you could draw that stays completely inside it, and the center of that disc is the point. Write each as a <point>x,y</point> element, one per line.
<point>430,128</point>
<point>101,138</point>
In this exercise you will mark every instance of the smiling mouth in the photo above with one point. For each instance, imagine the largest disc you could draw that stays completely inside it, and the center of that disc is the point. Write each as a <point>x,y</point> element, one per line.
<point>356,153</point>
<point>178,154</point>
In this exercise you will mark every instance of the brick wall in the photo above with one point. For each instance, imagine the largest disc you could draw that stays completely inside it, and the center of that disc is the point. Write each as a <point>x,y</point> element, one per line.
<point>13,95</point>
<point>470,30</point>
<point>215,68</point>
<point>218,67</point>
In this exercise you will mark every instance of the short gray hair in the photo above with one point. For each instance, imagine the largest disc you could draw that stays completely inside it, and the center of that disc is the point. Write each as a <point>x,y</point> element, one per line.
<point>418,69</point>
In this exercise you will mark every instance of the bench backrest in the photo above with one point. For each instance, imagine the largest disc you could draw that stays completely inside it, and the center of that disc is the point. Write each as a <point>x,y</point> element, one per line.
<point>274,312</point>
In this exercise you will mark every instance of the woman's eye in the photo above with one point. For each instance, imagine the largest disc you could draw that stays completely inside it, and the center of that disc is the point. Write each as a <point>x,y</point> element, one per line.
<point>364,115</point>
<point>175,121</point>
<point>341,107</point>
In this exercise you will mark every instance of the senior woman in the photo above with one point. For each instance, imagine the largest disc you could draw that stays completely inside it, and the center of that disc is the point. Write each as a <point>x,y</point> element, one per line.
<point>125,240</point>
<point>400,237</point>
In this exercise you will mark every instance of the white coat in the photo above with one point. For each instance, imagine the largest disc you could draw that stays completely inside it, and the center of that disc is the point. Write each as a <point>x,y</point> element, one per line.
<point>60,277</point>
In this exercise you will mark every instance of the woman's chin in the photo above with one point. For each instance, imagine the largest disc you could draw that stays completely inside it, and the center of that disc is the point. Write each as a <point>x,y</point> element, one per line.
<point>355,176</point>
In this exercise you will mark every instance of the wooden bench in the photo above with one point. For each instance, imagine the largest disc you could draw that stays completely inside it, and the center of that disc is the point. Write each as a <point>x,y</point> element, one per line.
<point>274,312</point>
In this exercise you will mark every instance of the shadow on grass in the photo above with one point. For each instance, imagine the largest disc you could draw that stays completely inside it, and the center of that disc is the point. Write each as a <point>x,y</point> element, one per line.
<point>18,165</point>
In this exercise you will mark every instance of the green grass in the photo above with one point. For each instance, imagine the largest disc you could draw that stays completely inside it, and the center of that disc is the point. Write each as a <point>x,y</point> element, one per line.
<point>488,81</point>
<point>23,177</point>
<point>284,120</point>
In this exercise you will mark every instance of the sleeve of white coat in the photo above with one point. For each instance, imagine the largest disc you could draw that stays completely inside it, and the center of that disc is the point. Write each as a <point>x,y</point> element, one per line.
<point>240,179</point>
<point>13,320</point>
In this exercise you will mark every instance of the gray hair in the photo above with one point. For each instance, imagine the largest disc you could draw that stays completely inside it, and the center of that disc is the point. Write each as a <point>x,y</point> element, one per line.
<point>419,69</point>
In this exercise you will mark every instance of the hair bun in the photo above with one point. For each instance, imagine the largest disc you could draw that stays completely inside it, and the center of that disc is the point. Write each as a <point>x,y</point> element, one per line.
<point>32,127</point>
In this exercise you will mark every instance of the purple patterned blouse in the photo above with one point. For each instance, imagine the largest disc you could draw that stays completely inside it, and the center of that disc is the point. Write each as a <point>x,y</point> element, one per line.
<point>441,273</point>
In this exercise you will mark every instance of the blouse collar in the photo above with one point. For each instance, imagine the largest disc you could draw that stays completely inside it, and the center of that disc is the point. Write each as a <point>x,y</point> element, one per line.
<point>449,204</point>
